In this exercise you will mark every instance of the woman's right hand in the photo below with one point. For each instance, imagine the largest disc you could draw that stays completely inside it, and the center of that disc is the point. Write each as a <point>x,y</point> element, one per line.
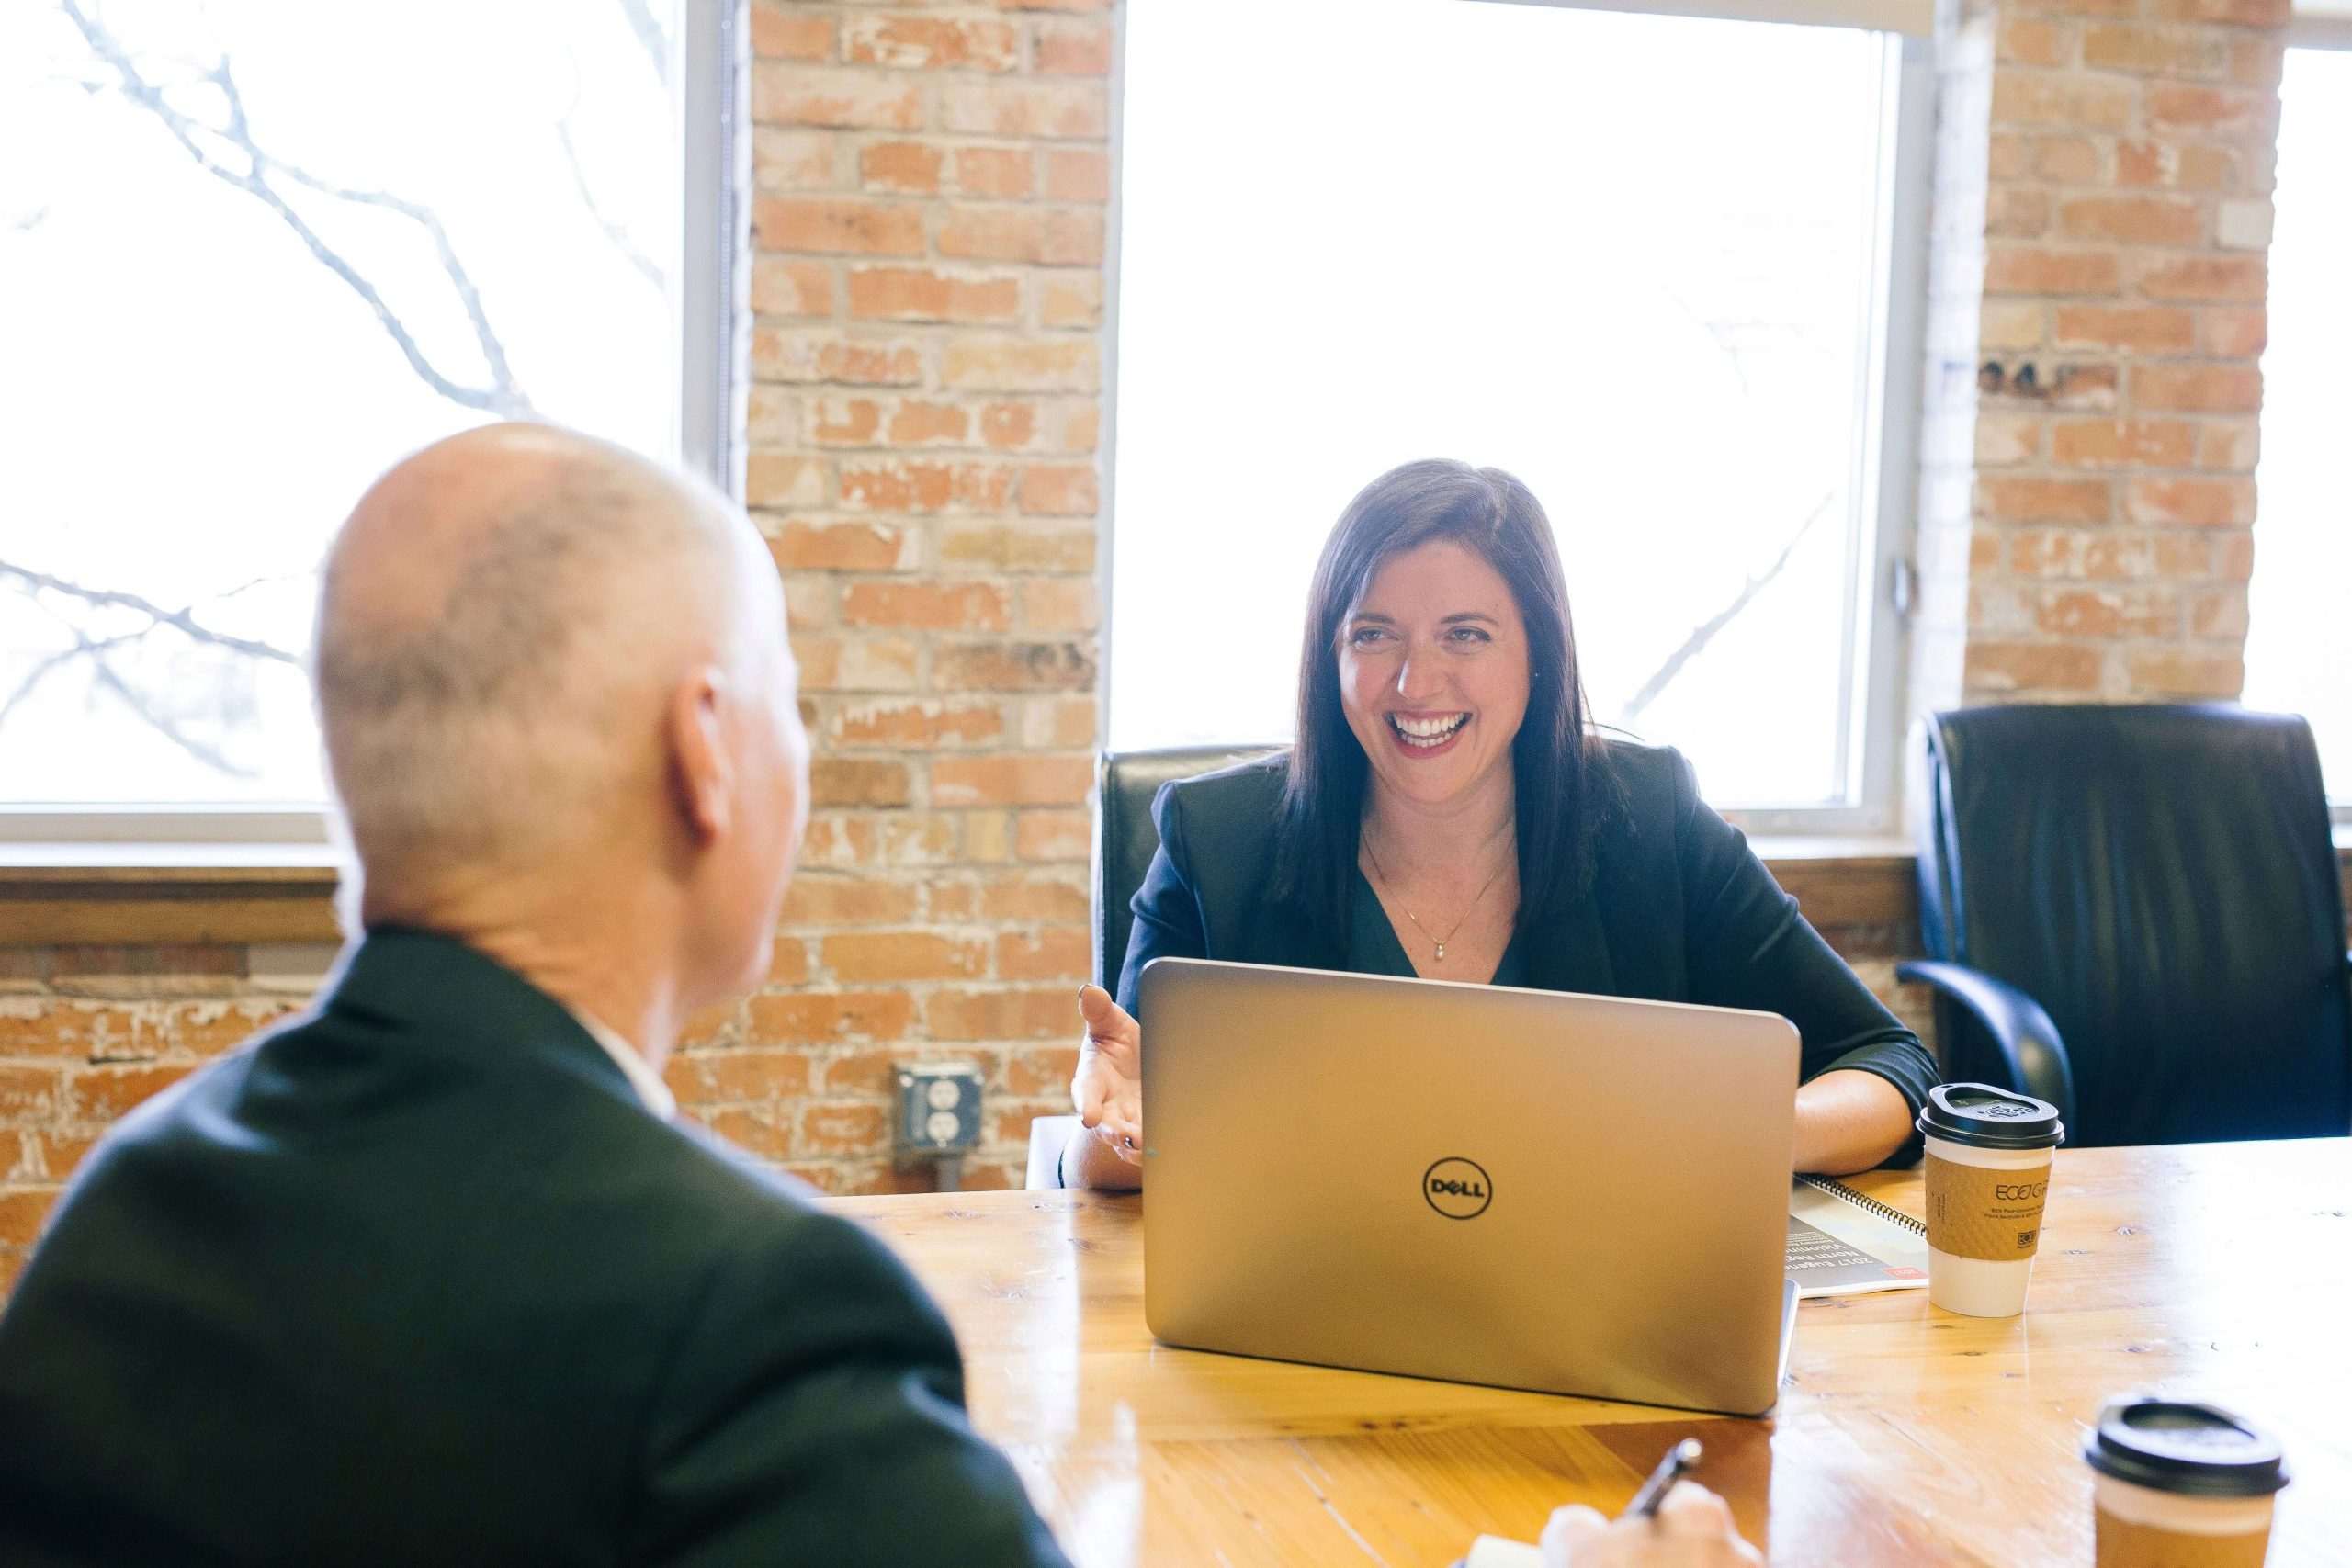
<point>1109,1085</point>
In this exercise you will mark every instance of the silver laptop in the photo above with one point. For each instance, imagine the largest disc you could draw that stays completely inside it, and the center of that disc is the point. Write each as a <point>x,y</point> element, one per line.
<point>1570,1193</point>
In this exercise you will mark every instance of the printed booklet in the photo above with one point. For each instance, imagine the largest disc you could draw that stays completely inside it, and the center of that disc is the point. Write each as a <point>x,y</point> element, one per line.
<point>1842,1244</point>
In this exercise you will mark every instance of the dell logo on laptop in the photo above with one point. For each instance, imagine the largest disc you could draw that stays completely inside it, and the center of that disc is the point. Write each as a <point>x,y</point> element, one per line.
<point>1457,1189</point>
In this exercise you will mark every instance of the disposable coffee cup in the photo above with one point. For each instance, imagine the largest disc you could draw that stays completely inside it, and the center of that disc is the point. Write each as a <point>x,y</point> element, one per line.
<point>2182,1485</point>
<point>1988,1174</point>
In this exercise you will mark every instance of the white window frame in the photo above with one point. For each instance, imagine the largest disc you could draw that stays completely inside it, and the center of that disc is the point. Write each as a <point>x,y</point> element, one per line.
<point>1873,748</point>
<point>1912,18</point>
<point>1871,752</point>
<point>2327,24</point>
<point>2321,24</point>
<point>714,314</point>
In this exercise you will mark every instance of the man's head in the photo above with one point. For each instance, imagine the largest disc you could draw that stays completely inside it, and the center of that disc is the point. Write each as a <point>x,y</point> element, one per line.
<point>545,666</point>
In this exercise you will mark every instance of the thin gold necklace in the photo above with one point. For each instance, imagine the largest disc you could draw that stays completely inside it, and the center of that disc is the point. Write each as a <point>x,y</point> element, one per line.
<point>1437,942</point>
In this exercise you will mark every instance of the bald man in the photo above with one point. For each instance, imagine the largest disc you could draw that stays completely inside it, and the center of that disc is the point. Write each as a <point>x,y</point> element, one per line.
<point>432,1275</point>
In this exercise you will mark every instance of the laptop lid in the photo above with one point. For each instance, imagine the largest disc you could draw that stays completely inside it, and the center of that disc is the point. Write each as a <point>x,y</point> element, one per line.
<point>1569,1193</point>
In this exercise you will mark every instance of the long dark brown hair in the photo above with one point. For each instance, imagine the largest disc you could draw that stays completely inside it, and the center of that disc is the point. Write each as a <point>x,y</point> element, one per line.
<point>1496,517</point>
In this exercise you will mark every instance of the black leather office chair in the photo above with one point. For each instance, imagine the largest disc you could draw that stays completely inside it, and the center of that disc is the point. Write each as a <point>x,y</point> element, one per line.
<point>1126,838</point>
<point>1124,841</point>
<point>2135,912</point>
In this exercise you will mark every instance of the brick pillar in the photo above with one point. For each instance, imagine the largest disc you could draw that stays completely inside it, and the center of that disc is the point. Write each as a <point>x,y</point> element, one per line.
<point>2105,488</point>
<point>928,225</point>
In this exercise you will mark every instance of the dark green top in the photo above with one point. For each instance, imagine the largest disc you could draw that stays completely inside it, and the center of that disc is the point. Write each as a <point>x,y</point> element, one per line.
<point>419,1278</point>
<point>1372,947</point>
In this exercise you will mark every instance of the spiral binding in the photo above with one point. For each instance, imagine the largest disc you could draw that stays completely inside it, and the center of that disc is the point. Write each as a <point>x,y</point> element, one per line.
<point>1840,1189</point>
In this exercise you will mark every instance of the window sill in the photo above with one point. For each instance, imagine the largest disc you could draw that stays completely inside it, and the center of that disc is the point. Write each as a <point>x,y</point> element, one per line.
<point>74,894</point>
<point>140,894</point>
<point>1845,880</point>
<point>1875,881</point>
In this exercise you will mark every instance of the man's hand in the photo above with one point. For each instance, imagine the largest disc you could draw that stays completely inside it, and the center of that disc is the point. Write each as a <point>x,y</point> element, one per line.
<point>1109,1085</point>
<point>1693,1529</point>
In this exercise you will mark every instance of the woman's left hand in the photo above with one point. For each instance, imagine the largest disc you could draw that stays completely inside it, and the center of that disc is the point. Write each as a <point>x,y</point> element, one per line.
<point>1848,1121</point>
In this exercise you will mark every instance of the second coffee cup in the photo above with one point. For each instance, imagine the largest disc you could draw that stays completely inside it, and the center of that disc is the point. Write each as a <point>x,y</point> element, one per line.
<point>2182,1485</point>
<point>1989,1155</point>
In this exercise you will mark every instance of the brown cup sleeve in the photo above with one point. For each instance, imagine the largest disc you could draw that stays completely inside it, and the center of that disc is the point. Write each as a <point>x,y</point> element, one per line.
<point>1975,1211</point>
<point>2123,1543</point>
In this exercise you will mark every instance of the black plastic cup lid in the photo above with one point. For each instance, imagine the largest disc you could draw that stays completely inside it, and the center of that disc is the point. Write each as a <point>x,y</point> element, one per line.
<point>2193,1451</point>
<point>1983,1117</point>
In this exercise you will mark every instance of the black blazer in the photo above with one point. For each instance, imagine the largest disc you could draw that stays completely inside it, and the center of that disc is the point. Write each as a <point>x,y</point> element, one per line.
<point>418,1279</point>
<point>1678,909</point>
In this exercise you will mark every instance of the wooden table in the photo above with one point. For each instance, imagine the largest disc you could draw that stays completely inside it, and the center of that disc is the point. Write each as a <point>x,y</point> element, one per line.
<point>1907,1435</point>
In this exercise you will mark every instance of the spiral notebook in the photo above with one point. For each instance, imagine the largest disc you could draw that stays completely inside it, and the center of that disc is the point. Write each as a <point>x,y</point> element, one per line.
<point>1842,1244</point>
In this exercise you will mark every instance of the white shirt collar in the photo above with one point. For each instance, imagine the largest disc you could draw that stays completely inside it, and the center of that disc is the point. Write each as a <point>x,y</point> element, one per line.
<point>642,1076</point>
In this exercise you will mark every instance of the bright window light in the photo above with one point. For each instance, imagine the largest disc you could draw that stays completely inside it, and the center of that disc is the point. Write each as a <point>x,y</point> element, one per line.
<point>2299,644</point>
<point>265,250</point>
<point>1639,261</point>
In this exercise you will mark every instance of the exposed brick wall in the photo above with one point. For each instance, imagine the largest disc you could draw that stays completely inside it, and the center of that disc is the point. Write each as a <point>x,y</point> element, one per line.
<point>87,1032</point>
<point>929,229</point>
<point>2105,169</point>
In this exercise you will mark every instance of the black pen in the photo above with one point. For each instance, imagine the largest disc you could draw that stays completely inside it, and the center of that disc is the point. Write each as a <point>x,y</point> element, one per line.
<point>1678,1458</point>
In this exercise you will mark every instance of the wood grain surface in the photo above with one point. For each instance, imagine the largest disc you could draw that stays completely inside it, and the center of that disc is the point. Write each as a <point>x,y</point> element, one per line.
<point>1907,1435</point>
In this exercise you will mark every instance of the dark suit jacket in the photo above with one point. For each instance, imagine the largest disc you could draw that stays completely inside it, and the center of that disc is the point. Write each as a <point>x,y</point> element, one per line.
<point>419,1280</point>
<point>1678,909</point>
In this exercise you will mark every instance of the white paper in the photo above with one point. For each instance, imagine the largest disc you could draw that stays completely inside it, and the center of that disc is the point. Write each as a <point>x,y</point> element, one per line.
<point>1839,1248</point>
<point>1494,1551</point>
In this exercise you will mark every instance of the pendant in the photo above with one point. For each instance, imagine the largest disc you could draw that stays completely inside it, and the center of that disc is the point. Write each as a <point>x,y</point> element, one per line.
<point>1441,953</point>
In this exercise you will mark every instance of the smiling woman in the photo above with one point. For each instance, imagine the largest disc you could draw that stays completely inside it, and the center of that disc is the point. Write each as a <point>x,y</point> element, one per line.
<point>1437,627</point>
<point>1447,813</point>
<point>1433,696</point>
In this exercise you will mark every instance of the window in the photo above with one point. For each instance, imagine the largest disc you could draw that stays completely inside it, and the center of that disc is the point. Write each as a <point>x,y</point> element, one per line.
<point>2299,644</point>
<point>1522,235</point>
<point>265,250</point>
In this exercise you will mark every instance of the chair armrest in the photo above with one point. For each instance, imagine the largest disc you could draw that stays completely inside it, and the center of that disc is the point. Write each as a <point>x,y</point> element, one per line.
<point>1048,1135</point>
<point>2020,1031</point>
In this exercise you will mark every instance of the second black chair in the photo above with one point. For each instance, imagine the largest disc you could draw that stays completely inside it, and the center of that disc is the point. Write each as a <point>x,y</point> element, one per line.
<point>2135,912</point>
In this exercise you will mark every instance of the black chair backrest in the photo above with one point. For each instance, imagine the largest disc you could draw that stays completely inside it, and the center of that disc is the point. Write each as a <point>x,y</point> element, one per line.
<point>1126,838</point>
<point>2161,880</point>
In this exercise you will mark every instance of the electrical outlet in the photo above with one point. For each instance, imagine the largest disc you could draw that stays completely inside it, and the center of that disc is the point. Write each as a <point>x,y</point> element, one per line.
<point>939,1107</point>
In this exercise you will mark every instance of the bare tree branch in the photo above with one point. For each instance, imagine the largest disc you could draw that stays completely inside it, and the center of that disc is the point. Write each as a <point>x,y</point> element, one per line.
<point>217,133</point>
<point>267,581</point>
<point>94,650</point>
<point>1704,632</point>
<point>162,723</point>
<point>622,240</point>
<point>82,647</point>
<point>651,37</point>
<point>503,396</point>
<point>32,583</point>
